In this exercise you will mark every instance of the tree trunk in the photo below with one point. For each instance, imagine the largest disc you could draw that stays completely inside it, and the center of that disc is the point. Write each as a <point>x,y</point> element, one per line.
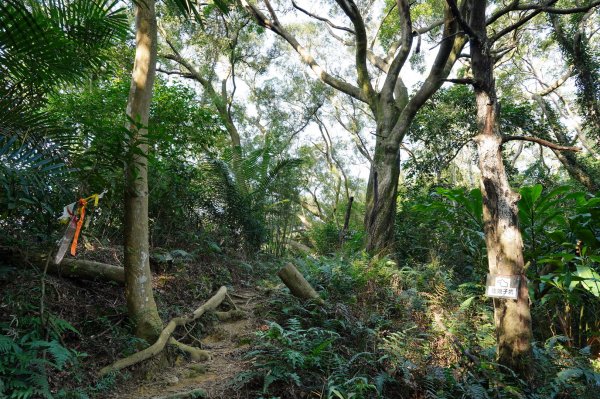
<point>504,250</point>
<point>344,230</point>
<point>500,212</point>
<point>138,278</point>
<point>382,190</point>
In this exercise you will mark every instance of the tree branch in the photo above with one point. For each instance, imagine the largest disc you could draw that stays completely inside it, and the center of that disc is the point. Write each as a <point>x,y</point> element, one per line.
<point>444,61</point>
<point>516,6</point>
<point>178,73</point>
<point>519,23</point>
<point>539,141</point>
<point>461,21</point>
<point>543,8</point>
<point>219,100</point>
<point>537,9</point>
<point>378,62</point>
<point>384,63</point>
<point>328,22</point>
<point>305,56</point>
<point>549,88</point>
<point>501,12</point>
<point>364,80</point>
<point>387,14</point>
<point>339,38</point>
<point>461,81</point>
<point>387,92</point>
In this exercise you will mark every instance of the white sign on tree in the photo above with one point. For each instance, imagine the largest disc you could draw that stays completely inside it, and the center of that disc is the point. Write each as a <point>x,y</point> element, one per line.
<point>503,286</point>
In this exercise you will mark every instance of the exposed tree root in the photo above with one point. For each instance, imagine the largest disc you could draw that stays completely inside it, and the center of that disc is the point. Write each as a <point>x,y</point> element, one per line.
<point>231,302</point>
<point>165,335</point>
<point>196,354</point>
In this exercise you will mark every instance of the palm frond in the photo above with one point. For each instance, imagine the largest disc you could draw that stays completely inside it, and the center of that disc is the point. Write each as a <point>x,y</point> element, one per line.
<point>26,169</point>
<point>43,43</point>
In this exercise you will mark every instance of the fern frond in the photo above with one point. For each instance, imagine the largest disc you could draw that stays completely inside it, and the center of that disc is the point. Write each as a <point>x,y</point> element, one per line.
<point>7,345</point>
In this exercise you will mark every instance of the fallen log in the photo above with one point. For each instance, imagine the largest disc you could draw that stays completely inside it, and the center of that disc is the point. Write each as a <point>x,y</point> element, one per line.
<point>165,336</point>
<point>88,269</point>
<point>78,268</point>
<point>297,284</point>
<point>299,247</point>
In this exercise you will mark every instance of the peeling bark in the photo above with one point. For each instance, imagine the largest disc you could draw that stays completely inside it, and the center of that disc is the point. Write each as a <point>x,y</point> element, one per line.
<point>500,212</point>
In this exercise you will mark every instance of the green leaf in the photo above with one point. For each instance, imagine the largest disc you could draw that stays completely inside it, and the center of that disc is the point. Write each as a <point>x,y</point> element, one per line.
<point>466,303</point>
<point>590,279</point>
<point>223,5</point>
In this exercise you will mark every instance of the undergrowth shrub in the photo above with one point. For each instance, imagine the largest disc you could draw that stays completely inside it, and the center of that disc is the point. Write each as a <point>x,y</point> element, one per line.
<point>293,360</point>
<point>386,331</point>
<point>325,237</point>
<point>27,358</point>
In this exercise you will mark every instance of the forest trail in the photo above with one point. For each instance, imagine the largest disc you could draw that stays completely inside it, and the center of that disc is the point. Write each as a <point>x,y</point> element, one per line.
<point>227,343</point>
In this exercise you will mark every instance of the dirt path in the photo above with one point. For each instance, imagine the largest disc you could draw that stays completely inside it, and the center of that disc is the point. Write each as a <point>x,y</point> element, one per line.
<point>227,343</point>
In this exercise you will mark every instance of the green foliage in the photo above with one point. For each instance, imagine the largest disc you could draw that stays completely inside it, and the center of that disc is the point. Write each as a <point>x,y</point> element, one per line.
<point>27,359</point>
<point>325,237</point>
<point>450,222</point>
<point>561,233</point>
<point>285,351</point>
<point>25,170</point>
<point>560,373</point>
<point>442,127</point>
<point>423,13</point>
<point>373,326</point>
<point>60,40</point>
<point>197,193</point>
<point>63,42</point>
<point>308,359</point>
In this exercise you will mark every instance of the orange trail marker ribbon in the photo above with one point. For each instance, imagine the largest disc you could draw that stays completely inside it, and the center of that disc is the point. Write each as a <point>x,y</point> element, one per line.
<point>82,205</point>
<point>74,214</point>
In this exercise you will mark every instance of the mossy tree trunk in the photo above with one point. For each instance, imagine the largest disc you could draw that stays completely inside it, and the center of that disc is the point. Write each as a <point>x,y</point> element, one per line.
<point>138,278</point>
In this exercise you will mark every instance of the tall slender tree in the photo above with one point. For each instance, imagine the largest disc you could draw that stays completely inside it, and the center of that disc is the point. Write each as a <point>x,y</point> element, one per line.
<point>138,278</point>
<point>500,212</point>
